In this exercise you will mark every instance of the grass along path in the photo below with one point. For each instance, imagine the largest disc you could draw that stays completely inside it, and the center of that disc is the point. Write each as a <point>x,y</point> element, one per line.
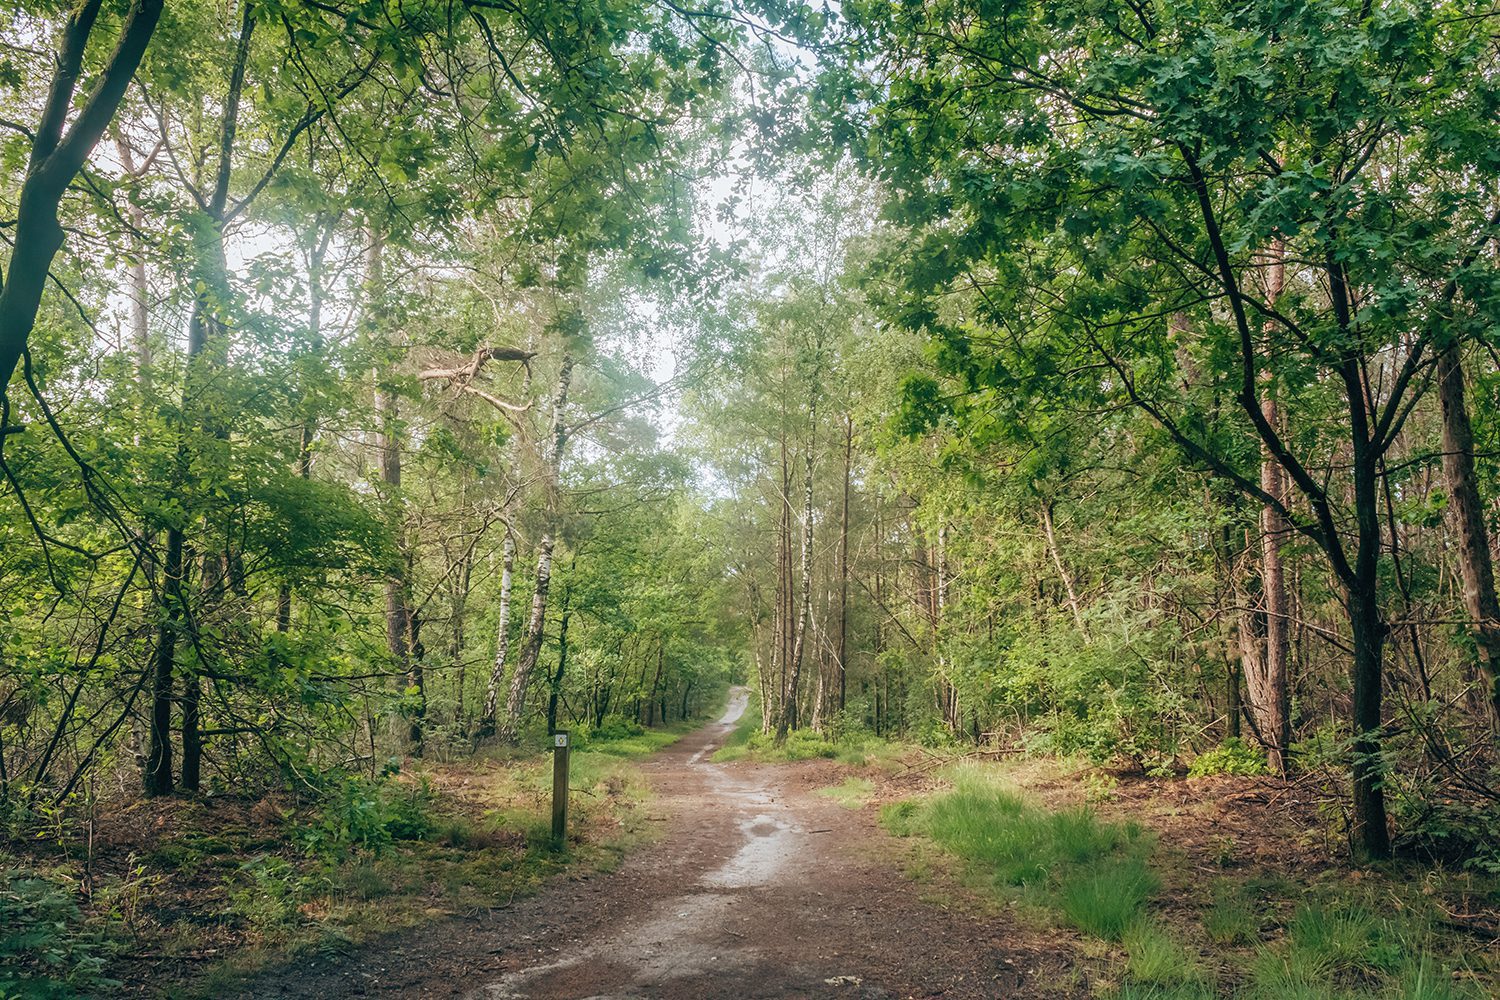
<point>185,897</point>
<point>487,842</point>
<point>1255,938</point>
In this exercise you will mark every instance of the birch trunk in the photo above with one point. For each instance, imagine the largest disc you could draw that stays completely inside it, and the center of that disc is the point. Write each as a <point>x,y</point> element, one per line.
<point>1062,571</point>
<point>843,646</point>
<point>398,611</point>
<point>502,637</point>
<point>531,645</point>
<point>789,707</point>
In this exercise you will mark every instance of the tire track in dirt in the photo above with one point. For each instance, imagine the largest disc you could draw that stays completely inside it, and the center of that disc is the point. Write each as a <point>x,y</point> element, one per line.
<point>758,889</point>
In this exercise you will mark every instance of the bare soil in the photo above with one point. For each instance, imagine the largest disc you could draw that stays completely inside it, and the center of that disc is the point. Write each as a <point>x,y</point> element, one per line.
<point>757,888</point>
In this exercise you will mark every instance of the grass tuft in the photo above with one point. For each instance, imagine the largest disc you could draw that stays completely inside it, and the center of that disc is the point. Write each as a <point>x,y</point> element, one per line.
<point>1105,898</point>
<point>1156,958</point>
<point>1230,921</point>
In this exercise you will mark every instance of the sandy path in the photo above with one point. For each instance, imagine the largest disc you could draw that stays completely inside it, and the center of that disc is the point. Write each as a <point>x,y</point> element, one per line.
<point>758,889</point>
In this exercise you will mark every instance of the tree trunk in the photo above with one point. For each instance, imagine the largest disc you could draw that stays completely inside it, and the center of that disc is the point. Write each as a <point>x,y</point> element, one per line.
<point>140,287</point>
<point>56,158</point>
<point>1274,707</point>
<point>947,692</point>
<point>562,659</point>
<point>1273,704</point>
<point>782,630</point>
<point>398,610</point>
<point>531,645</point>
<point>458,630</point>
<point>661,662</point>
<point>158,777</point>
<point>789,706</point>
<point>1466,513</point>
<point>843,647</point>
<point>1062,571</point>
<point>416,676</point>
<point>502,637</point>
<point>1368,631</point>
<point>1250,643</point>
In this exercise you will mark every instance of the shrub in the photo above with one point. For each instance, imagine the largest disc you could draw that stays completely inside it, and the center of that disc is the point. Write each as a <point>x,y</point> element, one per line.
<point>615,728</point>
<point>801,744</point>
<point>1233,756</point>
<point>44,950</point>
<point>362,814</point>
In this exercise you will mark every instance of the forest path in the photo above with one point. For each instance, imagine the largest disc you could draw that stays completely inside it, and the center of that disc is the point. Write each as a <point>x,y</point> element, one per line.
<point>759,888</point>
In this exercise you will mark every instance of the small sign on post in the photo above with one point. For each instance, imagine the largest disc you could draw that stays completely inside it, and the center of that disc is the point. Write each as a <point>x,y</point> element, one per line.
<point>562,747</point>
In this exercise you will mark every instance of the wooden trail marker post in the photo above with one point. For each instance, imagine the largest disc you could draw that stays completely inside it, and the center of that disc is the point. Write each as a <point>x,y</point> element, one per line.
<point>562,748</point>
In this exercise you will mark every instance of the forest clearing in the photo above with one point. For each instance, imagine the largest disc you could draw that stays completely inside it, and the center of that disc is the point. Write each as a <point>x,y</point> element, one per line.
<point>1063,434</point>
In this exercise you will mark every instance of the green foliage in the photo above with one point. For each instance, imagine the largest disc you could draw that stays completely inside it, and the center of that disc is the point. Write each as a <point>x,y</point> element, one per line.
<point>615,728</point>
<point>270,893</point>
<point>801,744</point>
<point>45,952</point>
<point>621,738</point>
<point>1233,756</point>
<point>1342,947</point>
<point>360,814</point>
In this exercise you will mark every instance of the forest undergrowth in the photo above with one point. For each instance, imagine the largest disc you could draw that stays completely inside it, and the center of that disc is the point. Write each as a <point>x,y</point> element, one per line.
<point>182,897</point>
<point>1194,888</point>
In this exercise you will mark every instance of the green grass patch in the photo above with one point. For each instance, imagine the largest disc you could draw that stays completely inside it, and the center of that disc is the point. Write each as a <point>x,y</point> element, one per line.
<point>1232,919</point>
<point>856,747</point>
<point>737,744</point>
<point>1155,957</point>
<point>1088,873</point>
<point>1156,991</point>
<point>1342,948</point>
<point>852,794</point>
<point>1104,898</point>
<point>1255,935</point>
<point>902,818</point>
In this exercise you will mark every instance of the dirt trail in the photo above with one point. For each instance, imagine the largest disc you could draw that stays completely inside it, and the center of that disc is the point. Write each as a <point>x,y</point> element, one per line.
<point>758,889</point>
